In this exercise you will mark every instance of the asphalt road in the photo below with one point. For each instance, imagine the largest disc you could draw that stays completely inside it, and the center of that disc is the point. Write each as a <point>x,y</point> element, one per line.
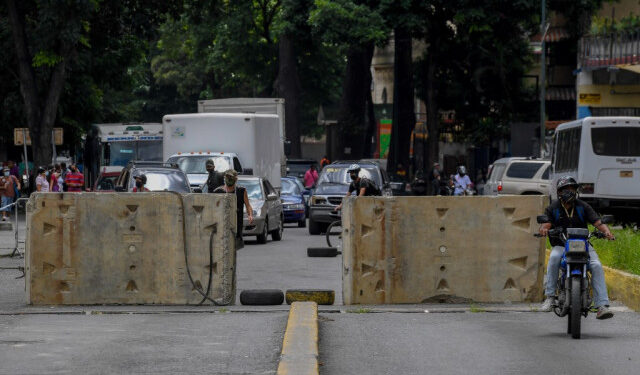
<point>476,343</point>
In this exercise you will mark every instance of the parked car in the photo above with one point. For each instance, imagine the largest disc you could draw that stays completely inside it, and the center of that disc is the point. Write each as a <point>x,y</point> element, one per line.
<point>298,167</point>
<point>333,185</point>
<point>293,203</point>
<point>519,176</point>
<point>306,193</point>
<point>160,177</point>
<point>106,181</point>
<point>268,215</point>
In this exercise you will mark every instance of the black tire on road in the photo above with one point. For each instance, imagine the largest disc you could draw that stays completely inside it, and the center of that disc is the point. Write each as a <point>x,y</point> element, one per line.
<point>315,228</point>
<point>276,235</point>
<point>262,238</point>
<point>576,306</point>
<point>322,252</point>
<point>261,297</point>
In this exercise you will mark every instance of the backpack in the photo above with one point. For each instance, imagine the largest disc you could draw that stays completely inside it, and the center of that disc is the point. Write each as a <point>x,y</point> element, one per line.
<point>579,211</point>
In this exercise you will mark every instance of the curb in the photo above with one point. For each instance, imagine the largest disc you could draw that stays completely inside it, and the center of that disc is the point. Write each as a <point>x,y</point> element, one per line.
<point>300,344</point>
<point>621,286</point>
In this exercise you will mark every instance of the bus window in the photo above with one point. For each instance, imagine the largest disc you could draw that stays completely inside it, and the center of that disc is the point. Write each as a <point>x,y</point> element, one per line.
<point>568,149</point>
<point>616,141</point>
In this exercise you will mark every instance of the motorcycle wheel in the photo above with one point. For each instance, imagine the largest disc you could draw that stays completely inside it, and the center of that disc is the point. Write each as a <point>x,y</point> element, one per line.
<point>576,307</point>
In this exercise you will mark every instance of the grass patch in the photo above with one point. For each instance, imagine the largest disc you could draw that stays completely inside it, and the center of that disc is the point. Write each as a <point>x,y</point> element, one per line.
<point>623,253</point>
<point>359,311</point>
<point>476,309</point>
<point>223,310</point>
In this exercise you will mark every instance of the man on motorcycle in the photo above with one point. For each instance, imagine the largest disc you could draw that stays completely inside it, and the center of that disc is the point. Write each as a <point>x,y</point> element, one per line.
<point>462,181</point>
<point>570,212</point>
<point>360,185</point>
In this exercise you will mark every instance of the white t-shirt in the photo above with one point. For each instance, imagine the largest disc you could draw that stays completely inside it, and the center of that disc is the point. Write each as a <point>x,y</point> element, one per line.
<point>42,181</point>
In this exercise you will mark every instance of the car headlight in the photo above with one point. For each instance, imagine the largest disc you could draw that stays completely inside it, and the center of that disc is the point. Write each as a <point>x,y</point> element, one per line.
<point>298,206</point>
<point>318,200</point>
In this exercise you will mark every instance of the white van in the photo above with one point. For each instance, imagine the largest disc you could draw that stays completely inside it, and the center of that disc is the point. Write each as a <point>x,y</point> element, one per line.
<point>603,155</point>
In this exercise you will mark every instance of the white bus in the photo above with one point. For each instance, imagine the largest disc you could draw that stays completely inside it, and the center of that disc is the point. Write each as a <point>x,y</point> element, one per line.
<point>603,155</point>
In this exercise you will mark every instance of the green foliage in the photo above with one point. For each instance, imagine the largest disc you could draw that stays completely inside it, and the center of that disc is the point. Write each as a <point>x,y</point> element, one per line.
<point>623,253</point>
<point>605,25</point>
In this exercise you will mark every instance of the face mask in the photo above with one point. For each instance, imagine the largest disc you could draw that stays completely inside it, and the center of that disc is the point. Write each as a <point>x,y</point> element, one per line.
<point>6,174</point>
<point>139,184</point>
<point>46,174</point>
<point>354,176</point>
<point>228,182</point>
<point>567,196</point>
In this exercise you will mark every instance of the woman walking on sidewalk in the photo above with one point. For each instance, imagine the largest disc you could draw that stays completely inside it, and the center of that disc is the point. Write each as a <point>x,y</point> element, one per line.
<point>8,184</point>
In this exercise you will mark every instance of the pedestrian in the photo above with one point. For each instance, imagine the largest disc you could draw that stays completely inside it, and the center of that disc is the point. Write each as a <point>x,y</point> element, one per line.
<point>65,170</point>
<point>13,168</point>
<point>242,200</point>
<point>8,184</point>
<point>42,182</point>
<point>324,162</point>
<point>311,177</point>
<point>435,178</point>
<point>141,181</point>
<point>215,179</point>
<point>74,180</point>
<point>54,187</point>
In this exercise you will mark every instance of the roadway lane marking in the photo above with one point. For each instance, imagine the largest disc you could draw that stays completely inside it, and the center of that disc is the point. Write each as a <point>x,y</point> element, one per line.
<point>300,345</point>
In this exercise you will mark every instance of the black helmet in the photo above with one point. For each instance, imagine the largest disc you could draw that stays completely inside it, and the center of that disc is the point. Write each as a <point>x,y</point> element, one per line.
<point>566,181</point>
<point>142,177</point>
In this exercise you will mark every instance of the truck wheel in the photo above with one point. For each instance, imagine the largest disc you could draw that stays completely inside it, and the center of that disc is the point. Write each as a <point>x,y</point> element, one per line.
<point>314,227</point>
<point>262,238</point>
<point>302,223</point>
<point>261,297</point>
<point>276,235</point>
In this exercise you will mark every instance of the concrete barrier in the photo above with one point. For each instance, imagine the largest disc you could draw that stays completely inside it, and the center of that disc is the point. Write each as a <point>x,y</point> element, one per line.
<point>442,249</point>
<point>128,248</point>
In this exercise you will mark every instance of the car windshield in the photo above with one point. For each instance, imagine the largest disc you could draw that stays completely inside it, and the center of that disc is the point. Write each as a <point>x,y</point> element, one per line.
<point>163,180</point>
<point>289,187</point>
<point>298,169</point>
<point>193,164</point>
<point>339,175</point>
<point>254,191</point>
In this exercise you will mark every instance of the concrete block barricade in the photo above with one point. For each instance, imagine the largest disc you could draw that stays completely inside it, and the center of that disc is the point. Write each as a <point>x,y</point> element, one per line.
<point>442,249</point>
<point>128,248</point>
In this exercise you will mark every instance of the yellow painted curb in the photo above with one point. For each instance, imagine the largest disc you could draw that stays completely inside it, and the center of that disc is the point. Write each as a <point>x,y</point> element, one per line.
<point>321,297</point>
<point>300,345</point>
<point>622,286</point>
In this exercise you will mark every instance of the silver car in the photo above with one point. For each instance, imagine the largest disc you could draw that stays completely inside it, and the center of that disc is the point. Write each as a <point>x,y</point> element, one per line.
<point>518,176</point>
<point>268,217</point>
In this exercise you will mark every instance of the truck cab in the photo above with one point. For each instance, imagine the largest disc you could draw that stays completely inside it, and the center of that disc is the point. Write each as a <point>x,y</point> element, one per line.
<point>194,164</point>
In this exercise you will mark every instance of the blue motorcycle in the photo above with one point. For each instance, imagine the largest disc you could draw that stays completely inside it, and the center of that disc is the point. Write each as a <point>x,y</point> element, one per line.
<point>573,289</point>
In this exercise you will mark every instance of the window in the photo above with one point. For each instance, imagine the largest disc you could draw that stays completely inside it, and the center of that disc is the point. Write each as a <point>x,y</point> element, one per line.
<point>616,141</point>
<point>567,153</point>
<point>545,175</point>
<point>236,165</point>
<point>197,164</point>
<point>523,170</point>
<point>496,172</point>
<point>289,187</point>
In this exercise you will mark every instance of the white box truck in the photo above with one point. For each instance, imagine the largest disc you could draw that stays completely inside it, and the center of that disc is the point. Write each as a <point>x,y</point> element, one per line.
<point>253,138</point>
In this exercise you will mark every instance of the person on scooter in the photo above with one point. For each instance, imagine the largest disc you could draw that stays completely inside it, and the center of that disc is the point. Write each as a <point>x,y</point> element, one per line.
<point>362,186</point>
<point>462,181</point>
<point>570,212</point>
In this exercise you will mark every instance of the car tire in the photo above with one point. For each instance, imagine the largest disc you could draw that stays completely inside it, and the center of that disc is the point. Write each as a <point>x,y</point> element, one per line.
<point>276,235</point>
<point>322,252</point>
<point>314,227</point>
<point>261,297</point>
<point>302,223</point>
<point>262,238</point>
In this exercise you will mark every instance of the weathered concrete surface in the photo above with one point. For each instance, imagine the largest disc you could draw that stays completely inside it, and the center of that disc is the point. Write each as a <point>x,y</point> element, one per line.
<point>300,344</point>
<point>127,248</point>
<point>442,249</point>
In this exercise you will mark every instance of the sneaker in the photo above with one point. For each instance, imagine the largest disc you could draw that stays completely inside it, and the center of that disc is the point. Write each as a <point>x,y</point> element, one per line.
<point>547,305</point>
<point>604,313</point>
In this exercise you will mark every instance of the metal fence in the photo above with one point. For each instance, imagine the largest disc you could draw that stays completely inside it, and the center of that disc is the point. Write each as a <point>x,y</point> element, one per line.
<point>612,49</point>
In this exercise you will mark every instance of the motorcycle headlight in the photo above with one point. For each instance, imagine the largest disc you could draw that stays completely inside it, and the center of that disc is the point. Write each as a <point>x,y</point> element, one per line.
<point>577,247</point>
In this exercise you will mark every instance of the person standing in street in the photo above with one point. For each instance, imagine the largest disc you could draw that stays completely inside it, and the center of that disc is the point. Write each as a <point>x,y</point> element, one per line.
<point>324,162</point>
<point>242,201</point>
<point>74,180</point>
<point>8,191</point>
<point>13,168</point>
<point>435,178</point>
<point>215,179</point>
<point>53,179</point>
<point>311,177</point>
<point>42,182</point>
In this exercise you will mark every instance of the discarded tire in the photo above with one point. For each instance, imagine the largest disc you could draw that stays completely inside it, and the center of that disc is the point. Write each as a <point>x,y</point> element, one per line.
<point>322,251</point>
<point>319,296</point>
<point>261,297</point>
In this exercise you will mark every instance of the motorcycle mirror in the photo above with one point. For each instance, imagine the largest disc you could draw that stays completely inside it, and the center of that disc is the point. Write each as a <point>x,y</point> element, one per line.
<point>607,219</point>
<point>541,219</point>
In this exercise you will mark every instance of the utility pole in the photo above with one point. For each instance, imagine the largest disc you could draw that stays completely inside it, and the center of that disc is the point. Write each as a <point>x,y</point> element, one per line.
<point>544,26</point>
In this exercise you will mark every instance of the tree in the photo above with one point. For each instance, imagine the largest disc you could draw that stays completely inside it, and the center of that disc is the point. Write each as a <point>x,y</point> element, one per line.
<point>58,30</point>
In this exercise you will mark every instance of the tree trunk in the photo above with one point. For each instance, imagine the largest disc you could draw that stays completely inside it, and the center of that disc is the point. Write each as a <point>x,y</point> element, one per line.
<point>403,101</point>
<point>289,88</point>
<point>433,118</point>
<point>40,118</point>
<point>352,118</point>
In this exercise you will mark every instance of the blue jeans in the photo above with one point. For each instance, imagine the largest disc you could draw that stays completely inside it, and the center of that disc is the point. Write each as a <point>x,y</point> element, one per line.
<point>598,284</point>
<point>5,202</point>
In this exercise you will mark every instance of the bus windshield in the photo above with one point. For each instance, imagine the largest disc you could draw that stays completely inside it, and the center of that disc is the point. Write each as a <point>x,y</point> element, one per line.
<point>120,153</point>
<point>616,141</point>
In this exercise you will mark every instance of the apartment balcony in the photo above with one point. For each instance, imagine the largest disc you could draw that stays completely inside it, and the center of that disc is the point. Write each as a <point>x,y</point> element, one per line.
<point>601,51</point>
